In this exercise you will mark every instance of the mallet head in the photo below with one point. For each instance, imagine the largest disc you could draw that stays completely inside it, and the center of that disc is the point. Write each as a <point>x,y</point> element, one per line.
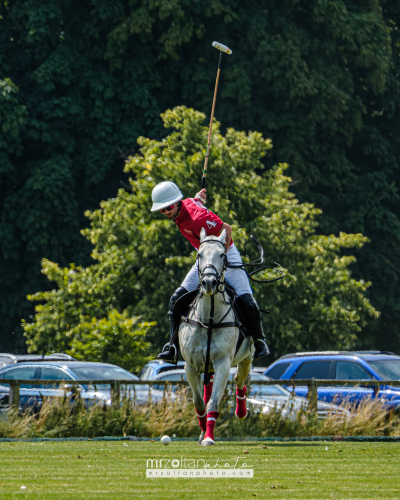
<point>222,48</point>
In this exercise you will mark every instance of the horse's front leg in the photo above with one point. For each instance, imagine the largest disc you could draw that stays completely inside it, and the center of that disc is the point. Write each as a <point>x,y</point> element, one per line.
<point>194,380</point>
<point>242,372</point>
<point>221,374</point>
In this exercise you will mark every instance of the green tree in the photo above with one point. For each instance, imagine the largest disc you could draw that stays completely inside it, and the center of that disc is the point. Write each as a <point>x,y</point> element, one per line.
<point>371,203</point>
<point>66,323</point>
<point>141,257</point>
<point>95,74</point>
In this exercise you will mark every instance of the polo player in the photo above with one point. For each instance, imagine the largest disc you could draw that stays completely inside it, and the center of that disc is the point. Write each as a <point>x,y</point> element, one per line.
<point>191,216</point>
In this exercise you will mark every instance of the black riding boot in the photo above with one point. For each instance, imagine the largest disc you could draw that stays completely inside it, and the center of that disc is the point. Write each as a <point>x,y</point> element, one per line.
<point>252,321</point>
<point>171,350</point>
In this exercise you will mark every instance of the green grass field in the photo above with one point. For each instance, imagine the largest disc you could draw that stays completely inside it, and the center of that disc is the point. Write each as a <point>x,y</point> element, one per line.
<point>116,470</point>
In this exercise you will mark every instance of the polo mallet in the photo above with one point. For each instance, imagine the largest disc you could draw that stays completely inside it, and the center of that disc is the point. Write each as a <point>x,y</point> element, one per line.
<point>222,48</point>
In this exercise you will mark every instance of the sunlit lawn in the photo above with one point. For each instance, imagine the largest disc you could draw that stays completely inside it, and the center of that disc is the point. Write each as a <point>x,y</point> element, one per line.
<point>116,470</point>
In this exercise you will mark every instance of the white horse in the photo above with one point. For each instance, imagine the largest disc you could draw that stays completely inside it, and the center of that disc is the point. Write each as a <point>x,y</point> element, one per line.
<point>193,336</point>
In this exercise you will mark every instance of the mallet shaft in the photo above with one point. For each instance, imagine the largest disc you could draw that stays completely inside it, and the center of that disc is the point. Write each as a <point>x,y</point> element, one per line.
<point>203,181</point>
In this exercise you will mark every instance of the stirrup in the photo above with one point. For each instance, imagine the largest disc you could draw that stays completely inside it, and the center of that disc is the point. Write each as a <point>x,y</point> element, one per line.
<point>265,345</point>
<point>259,340</point>
<point>169,345</point>
<point>168,348</point>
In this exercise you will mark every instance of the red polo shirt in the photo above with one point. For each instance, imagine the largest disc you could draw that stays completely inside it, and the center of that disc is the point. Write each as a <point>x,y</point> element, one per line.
<point>194,216</point>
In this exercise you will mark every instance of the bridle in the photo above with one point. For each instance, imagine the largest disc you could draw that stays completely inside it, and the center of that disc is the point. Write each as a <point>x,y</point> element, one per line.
<point>258,262</point>
<point>220,288</point>
<point>220,276</point>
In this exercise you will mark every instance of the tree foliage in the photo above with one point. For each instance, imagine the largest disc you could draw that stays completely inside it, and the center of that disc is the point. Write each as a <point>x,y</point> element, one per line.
<point>67,322</point>
<point>371,204</point>
<point>141,257</point>
<point>79,78</point>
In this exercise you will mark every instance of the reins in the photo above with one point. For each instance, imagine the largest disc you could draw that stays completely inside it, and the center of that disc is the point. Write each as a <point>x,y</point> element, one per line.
<point>193,322</point>
<point>254,263</point>
<point>207,375</point>
<point>257,262</point>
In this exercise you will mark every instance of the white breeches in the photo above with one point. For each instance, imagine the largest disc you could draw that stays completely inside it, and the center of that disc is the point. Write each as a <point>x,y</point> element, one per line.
<point>237,278</point>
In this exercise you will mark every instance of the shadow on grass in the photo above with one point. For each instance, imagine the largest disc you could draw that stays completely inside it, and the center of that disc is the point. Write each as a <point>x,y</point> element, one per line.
<point>269,444</point>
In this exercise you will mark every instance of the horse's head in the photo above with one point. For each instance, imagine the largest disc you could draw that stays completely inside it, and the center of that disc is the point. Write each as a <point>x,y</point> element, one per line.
<point>212,261</point>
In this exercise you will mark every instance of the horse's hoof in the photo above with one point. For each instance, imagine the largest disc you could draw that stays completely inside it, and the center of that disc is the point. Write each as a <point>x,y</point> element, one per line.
<point>245,417</point>
<point>201,437</point>
<point>207,442</point>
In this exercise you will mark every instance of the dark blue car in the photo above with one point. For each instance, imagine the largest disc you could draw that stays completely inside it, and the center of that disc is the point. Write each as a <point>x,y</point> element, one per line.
<point>342,365</point>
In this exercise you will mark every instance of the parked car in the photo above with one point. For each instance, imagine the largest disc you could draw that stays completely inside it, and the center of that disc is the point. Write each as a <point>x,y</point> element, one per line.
<point>10,359</point>
<point>259,369</point>
<point>63,371</point>
<point>342,365</point>
<point>157,366</point>
<point>267,397</point>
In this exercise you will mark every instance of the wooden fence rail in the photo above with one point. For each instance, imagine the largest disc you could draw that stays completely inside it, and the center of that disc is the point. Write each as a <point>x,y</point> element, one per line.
<point>115,385</point>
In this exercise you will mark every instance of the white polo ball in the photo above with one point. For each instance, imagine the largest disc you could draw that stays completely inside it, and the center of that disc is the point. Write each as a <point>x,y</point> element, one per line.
<point>165,440</point>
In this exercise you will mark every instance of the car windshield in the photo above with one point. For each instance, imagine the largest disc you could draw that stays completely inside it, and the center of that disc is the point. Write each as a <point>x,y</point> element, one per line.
<point>261,390</point>
<point>388,369</point>
<point>170,377</point>
<point>256,389</point>
<point>102,372</point>
<point>267,390</point>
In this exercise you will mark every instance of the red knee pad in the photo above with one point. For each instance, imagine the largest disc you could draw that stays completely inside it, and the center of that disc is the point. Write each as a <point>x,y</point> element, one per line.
<point>241,410</point>
<point>202,419</point>
<point>212,418</point>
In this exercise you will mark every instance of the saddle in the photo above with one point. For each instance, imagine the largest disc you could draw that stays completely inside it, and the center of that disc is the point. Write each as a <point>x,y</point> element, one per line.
<point>185,303</point>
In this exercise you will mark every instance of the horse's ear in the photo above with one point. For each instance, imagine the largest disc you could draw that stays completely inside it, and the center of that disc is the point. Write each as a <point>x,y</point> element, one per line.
<point>203,234</point>
<point>222,238</point>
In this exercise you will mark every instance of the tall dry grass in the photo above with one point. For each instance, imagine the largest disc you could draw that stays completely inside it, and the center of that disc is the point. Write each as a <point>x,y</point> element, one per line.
<point>175,415</point>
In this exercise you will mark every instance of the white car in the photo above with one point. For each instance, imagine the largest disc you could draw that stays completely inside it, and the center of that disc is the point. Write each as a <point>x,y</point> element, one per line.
<point>266,397</point>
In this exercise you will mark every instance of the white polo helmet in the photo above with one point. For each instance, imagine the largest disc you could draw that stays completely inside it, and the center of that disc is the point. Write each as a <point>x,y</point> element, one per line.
<point>164,194</point>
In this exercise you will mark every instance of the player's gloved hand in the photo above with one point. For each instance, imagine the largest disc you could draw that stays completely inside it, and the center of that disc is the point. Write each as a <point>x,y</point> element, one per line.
<point>201,195</point>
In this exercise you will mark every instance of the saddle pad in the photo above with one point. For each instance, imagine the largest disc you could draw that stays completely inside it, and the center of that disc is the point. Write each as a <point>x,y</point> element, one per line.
<point>238,314</point>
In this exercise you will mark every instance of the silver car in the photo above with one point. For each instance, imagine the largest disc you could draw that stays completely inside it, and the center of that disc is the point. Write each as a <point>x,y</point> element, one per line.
<point>266,397</point>
<point>31,395</point>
